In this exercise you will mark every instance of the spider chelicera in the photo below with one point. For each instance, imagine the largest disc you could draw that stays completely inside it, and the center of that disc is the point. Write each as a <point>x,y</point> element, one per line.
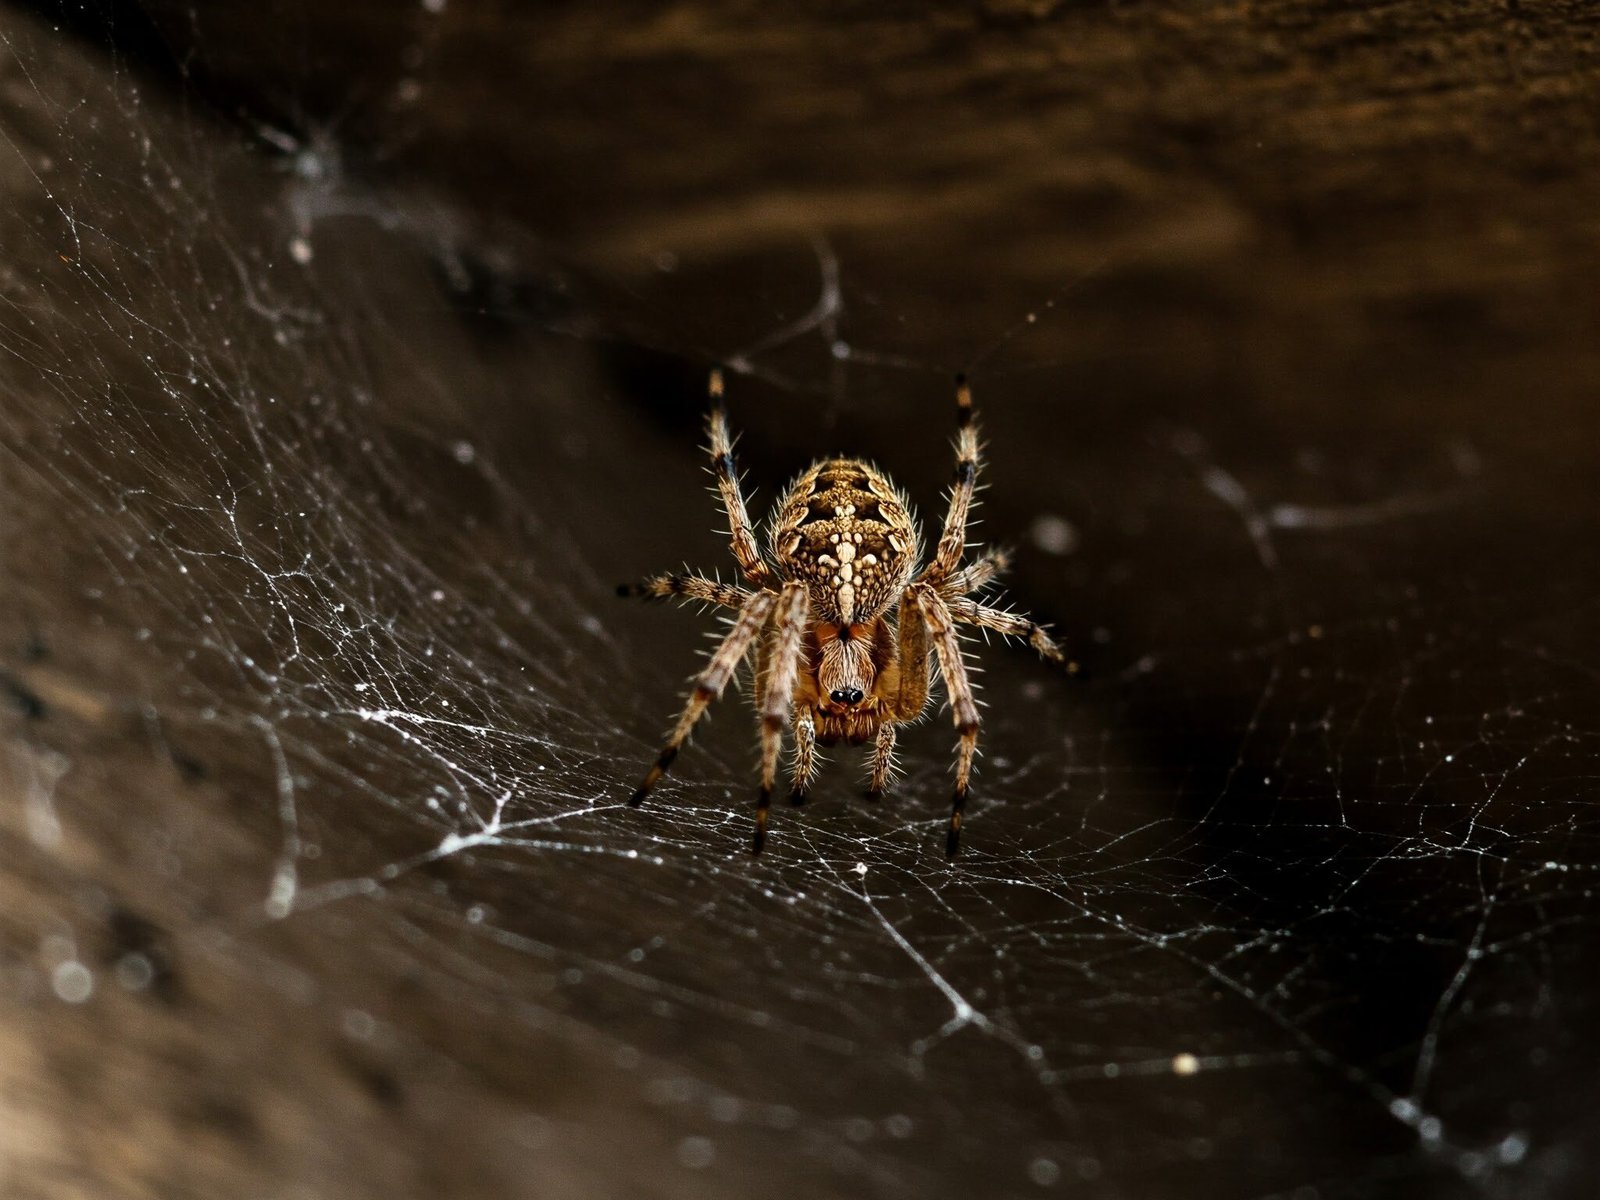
<point>840,618</point>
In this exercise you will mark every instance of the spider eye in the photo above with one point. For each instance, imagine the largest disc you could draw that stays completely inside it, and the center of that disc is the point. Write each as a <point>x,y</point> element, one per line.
<point>846,696</point>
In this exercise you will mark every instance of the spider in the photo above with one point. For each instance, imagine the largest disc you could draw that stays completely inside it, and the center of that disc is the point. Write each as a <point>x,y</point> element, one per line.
<point>840,617</point>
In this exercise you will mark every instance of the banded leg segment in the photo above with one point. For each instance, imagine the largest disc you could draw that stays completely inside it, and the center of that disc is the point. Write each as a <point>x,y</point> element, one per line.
<point>1012,625</point>
<point>963,704</point>
<point>912,658</point>
<point>710,682</point>
<point>976,574</point>
<point>722,465</point>
<point>882,762</point>
<point>777,697</point>
<point>688,587</point>
<point>805,757</point>
<point>953,541</point>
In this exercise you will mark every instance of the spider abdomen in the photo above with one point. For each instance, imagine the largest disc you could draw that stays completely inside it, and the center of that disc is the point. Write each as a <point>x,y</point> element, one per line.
<point>846,532</point>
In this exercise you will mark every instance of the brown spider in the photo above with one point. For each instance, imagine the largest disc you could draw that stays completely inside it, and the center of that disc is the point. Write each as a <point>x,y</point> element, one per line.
<point>844,553</point>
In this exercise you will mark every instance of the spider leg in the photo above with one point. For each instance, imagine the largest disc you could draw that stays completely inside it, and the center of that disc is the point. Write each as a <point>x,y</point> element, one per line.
<point>882,762</point>
<point>777,694</point>
<point>963,705</point>
<point>976,574</point>
<point>709,683</point>
<point>689,587</point>
<point>805,756</point>
<point>971,612</point>
<point>904,691</point>
<point>953,541</point>
<point>911,659</point>
<point>742,532</point>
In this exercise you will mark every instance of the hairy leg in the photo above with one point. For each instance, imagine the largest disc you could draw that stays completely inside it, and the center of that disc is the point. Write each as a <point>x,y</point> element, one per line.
<point>882,762</point>
<point>970,612</point>
<point>953,541</point>
<point>777,699</point>
<point>709,683</point>
<point>976,574</point>
<point>739,527</point>
<point>963,704</point>
<point>688,587</point>
<point>805,756</point>
<point>911,659</point>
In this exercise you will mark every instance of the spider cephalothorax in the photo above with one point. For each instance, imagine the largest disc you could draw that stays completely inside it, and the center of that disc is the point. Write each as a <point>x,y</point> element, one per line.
<point>840,620</point>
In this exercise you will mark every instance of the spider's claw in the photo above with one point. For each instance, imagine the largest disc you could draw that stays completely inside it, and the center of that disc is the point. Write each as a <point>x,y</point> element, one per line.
<point>645,591</point>
<point>797,797</point>
<point>872,795</point>
<point>653,776</point>
<point>963,400</point>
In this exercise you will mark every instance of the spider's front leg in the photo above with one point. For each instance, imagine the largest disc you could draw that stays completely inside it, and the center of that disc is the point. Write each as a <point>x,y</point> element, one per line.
<point>722,466</point>
<point>905,690</point>
<point>953,541</point>
<point>963,704</point>
<point>777,693</point>
<point>805,757</point>
<point>882,762</point>
<point>709,683</point>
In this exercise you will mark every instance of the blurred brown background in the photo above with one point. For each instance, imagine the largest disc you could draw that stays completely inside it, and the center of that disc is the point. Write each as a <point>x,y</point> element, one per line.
<point>353,352</point>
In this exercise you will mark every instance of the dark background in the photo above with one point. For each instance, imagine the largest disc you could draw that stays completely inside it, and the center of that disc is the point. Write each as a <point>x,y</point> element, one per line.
<point>351,354</point>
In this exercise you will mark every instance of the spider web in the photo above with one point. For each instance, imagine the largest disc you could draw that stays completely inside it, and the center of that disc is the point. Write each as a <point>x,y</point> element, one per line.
<point>1291,896</point>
